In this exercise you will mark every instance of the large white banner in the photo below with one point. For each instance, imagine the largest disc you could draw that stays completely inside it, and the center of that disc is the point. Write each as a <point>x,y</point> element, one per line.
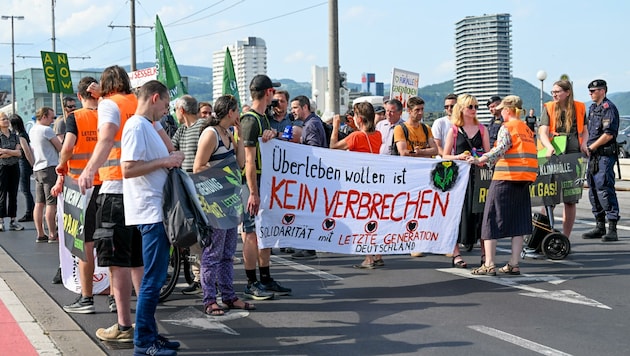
<point>358,203</point>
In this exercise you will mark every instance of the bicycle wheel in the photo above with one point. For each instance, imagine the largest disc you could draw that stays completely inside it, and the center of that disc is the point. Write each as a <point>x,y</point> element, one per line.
<point>172,274</point>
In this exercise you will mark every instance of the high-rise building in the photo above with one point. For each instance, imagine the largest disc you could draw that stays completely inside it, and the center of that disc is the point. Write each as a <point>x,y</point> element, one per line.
<point>483,58</point>
<point>249,57</point>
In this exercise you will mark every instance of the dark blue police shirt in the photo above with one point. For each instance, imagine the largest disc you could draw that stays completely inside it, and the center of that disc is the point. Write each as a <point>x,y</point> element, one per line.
<point>603,118</point>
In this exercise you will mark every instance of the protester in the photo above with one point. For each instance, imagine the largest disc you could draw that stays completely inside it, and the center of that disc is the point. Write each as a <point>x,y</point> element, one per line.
<point>254,125</point>
<point>564,117</point>
<point>418,140</point>
<point>215,144</point>
<point>603,127</point>
<point>508,205</point>
<point>465,138</point>
<point>26,166</point>
<point>147,154</point>
<point>10,153</point>
<point>393,113</point>
<point>442,125</point>
<point>366,139</point>
<point>117,105</point>
<point>78,145</point>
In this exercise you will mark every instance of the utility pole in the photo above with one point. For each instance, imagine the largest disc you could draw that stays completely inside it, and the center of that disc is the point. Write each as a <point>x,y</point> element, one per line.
<point>132,29</point>
<point>13,96</point>
<point>333,57</point>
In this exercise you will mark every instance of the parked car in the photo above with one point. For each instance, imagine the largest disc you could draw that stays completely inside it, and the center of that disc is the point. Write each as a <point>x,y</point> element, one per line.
<point>623,137</point>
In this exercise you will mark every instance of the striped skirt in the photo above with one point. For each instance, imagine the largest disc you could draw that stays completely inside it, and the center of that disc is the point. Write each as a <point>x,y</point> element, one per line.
<point>508,210</point>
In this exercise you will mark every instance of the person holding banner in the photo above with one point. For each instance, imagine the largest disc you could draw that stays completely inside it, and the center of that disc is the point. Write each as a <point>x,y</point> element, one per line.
<point>78,145</point>
<point>366,139</point>
<point>465,138</point>
<point>508,204</point>
<point>564,119</point>
<point>216,144</point>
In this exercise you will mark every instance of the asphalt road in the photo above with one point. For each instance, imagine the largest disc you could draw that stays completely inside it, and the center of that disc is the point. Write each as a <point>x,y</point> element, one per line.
<point>412,306</point>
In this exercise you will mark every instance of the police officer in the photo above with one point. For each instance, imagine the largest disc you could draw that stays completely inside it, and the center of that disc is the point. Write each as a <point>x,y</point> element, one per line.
<point>496,121</point>
<point>603,126</point>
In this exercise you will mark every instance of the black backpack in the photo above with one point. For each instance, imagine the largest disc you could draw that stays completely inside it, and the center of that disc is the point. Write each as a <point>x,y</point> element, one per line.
<point>393,149</point>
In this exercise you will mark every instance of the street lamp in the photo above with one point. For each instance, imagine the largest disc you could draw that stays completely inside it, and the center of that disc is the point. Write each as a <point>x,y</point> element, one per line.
<point>541,75</point>
<point>12,56</point>
<point>316,94</point>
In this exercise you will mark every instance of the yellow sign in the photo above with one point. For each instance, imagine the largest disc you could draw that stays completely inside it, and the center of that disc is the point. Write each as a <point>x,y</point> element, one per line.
<point>57,72</point>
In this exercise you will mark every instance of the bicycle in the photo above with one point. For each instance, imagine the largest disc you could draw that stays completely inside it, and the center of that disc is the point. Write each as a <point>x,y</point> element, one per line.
<point>179,257</point>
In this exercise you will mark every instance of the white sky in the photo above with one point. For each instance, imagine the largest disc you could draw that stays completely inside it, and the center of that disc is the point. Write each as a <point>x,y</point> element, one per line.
<point>584,39</point>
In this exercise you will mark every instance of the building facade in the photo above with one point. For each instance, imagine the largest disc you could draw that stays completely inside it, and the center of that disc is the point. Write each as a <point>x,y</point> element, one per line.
<point>249,58</point>
<point>483,58</point>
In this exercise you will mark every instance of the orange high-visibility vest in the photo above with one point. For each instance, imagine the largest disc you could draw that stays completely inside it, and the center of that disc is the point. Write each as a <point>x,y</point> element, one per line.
<point>127,104</point>
<point>580,113</point>
<point>87,126</point>
<point>520,162</point>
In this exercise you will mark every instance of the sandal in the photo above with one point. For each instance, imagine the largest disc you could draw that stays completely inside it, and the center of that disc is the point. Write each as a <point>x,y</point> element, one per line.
<point>214,309</point>
<point>483,260</point>
<point>379,263</point>
<point>459,264</point>
<point>511,270</point>
<point>365,266</point>
<point>485,271</point>
<point>244,306</point>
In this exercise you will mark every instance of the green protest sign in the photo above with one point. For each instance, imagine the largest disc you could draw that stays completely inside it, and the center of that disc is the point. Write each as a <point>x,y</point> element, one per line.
<point>57,72</point>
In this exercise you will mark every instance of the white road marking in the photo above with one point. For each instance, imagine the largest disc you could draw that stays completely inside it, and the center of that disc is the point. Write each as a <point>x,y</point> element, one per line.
<point>194,318</point>
<point>592,223</point>
<point>518,341</point>
<point>567,296</point>
<point>304,268</point>
<point>563,262</point>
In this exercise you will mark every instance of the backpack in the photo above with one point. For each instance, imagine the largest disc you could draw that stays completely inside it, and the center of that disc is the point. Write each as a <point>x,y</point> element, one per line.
<point>184,220</point>
<point>394,149</point>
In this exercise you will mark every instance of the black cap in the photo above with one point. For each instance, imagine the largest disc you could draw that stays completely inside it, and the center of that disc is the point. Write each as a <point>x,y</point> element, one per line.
<point>597,83</point>
<point>379,109</point>
<point>493,99</point>
<point>262,82</point>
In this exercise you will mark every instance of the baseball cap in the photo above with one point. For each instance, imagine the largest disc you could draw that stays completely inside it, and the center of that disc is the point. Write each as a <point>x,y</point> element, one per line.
<point>493,99</point>
<point>597,83</point>
<point>511,101</point>
<point>379,109</point>
<point>262,82</point>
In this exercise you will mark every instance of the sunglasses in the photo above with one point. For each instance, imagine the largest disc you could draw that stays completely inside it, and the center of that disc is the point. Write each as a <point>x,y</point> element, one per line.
<point>449,106</point>
<point>71,106</point>
<point>593,90</point>
<point>470,107</point>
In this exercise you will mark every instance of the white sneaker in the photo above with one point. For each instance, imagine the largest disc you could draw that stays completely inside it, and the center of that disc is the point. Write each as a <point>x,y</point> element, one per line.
<point>2,226</point>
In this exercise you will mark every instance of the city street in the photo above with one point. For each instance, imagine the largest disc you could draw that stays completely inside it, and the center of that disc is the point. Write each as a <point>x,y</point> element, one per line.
<point>412,306</point>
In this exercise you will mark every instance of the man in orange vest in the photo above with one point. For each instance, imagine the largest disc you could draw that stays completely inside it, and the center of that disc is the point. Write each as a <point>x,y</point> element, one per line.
<point>78,145</point>
<point>125,260</point>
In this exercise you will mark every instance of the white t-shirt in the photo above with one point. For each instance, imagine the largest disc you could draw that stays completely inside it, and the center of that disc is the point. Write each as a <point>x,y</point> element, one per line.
<point>44,152</point>
<point>108,112</point>
<point>386,129</point>
<point>440,129</point>
<point>143,195</point>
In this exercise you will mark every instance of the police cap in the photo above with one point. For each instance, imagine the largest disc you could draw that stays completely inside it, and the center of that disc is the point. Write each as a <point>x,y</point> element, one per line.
<point>597,84</point>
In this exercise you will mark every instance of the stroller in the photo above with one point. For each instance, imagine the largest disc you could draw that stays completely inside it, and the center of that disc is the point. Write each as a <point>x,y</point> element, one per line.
<point>545,239</point>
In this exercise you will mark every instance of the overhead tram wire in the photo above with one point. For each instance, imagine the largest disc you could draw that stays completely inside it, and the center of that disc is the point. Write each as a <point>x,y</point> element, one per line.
<point>204,18</point>
<point>199,12</point>
<point>251,24</point>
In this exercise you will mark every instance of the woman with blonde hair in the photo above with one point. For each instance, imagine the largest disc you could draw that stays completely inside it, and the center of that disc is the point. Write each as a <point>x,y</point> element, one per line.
<point>465,138</point>
<point>508,205</point>
<point>564,117</point>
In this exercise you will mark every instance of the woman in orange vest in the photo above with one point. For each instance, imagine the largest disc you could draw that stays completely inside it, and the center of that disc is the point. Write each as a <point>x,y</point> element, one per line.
<point>564,117</point>
<point>508,204</point>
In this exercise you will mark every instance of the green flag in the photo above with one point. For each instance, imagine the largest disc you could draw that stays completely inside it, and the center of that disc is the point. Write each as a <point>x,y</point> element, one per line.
<point>167,71</point>
<point>229,77</point>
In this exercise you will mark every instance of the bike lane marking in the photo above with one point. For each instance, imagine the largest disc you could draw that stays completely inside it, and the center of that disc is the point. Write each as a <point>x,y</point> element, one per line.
<point>16,322</point>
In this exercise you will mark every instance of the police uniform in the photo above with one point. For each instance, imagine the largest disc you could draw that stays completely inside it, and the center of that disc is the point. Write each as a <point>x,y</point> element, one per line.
<point>603,118</point>
<point>495,123</point>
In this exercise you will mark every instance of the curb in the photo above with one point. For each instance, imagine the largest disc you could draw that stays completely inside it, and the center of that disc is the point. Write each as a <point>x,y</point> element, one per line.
<point>48,327</point>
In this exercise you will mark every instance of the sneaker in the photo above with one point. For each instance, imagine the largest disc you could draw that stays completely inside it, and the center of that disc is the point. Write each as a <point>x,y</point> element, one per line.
<point>113,333</point>
<point>155,349</point>
<point>236,260</point>
<point>168,344</point>
<point>26,218</point>
<point>276,288</point>
<point>83,305</point>
<point>194,288</point>
<point>53,240</point>
<point>57,278</point>
<point>256,291</point>
<point>1,226</point>
<point>15,226</point>
<point>111,303</point>
<point>304,255</point>
<point>42,239</point>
